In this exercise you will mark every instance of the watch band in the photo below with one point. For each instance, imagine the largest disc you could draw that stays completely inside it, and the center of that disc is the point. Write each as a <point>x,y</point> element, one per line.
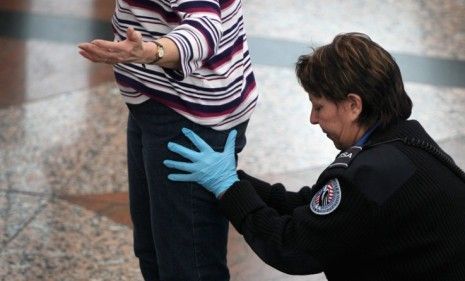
<point>159,53</point>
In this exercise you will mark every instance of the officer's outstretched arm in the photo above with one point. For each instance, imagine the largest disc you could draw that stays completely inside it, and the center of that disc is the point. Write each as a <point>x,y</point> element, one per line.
<point>281,241</point>
<point>276,195</point>
<point>290,261</point>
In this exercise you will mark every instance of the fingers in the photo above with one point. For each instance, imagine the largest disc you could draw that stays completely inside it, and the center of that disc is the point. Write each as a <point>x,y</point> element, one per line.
<point>88,48</point>
<point>133,35</point>
<point>182,166</point>
<point>129,32</point>
<point>87,56</point>
<point>97,53</point>
<point>183,151</point>
<point>196,140</point>
<point>180,177</point>
<point>231,141</point>
<point>104,44</point>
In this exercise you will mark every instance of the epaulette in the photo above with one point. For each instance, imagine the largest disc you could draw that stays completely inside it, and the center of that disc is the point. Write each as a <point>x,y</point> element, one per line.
<point>344,158</point>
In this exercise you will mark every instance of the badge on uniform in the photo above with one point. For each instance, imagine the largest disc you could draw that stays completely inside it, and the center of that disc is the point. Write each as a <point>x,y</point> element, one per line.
<point>327,199</point>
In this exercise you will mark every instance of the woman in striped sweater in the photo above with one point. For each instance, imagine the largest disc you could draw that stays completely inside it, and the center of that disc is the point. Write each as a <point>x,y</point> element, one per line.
<point>178,63</point>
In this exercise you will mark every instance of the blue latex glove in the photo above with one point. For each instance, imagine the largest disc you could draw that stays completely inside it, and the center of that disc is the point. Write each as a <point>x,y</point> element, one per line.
<point>216,171</point>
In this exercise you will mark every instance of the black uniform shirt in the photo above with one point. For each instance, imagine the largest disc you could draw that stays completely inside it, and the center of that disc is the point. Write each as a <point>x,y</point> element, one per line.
<point>389,212</point>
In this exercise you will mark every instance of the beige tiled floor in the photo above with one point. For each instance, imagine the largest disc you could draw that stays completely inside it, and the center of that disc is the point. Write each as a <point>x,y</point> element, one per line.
<point>63,200</point>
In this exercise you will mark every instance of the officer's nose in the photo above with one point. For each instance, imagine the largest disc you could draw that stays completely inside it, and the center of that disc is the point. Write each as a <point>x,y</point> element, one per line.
<point>313,117</point>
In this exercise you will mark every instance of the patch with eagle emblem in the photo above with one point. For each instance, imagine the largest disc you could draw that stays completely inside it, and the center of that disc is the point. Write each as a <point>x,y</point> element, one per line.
<point>327,199</point>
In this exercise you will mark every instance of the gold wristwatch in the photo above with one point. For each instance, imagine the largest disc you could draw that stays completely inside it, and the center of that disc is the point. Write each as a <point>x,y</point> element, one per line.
<point>159,53</point>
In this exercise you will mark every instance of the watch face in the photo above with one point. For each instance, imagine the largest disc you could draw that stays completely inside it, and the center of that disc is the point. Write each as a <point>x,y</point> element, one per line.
<point>161,52</point>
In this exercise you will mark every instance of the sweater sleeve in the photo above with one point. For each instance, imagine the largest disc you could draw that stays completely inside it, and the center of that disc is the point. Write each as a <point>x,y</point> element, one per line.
<point>198,35</point>
<point>276,196</point>
<point>327,238</point>
<point>241,202</point>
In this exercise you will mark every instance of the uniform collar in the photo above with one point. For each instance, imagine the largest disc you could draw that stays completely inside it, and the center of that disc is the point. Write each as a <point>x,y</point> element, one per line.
<point>366,135</point>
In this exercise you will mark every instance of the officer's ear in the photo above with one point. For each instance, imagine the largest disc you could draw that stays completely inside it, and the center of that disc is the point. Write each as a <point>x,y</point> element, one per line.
<point>355,105</point>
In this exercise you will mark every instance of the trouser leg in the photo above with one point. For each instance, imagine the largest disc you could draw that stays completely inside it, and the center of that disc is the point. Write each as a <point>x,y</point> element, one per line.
<point>139,199</point>
<point>189,233</point>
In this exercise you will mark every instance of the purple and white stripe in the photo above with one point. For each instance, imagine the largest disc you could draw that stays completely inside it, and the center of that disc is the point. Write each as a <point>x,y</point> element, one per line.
<point>215,85</point>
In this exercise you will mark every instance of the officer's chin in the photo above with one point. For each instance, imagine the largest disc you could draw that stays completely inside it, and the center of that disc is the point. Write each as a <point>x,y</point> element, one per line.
<point>339,146</point>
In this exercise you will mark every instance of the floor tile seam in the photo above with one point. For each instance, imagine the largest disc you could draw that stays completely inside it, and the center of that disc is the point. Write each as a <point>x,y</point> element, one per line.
<point>27,193</point>
<point>42,207</point>
<point>39,210</point>
<point>107,204</point>
<point>99,214</point>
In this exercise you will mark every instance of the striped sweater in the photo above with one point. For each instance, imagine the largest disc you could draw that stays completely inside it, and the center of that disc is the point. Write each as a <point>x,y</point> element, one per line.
<point>215,85</point>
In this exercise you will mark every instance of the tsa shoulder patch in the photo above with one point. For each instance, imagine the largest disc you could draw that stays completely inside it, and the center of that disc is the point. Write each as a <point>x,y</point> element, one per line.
<point>345,158</point>
<point>327,199</point>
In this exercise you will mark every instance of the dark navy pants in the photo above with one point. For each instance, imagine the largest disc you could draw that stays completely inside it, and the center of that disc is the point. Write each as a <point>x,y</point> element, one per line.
<point>179,233</point>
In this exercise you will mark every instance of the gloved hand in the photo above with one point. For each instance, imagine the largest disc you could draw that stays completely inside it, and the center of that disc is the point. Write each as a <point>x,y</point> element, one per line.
<point>216,171</point>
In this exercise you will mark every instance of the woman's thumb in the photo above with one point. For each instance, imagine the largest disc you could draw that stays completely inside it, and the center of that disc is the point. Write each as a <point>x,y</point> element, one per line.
<point>133,35</point>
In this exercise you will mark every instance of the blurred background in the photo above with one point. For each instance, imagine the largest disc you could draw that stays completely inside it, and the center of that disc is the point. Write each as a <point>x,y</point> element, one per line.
<point>63,200</point>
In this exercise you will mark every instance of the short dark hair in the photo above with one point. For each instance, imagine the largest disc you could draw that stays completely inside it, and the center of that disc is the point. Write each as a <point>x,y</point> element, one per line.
<point>353,63</point>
